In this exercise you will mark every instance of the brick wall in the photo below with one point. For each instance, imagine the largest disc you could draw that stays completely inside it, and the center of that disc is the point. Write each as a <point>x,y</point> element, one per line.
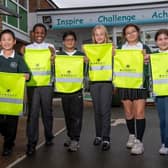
<point>38,4</point>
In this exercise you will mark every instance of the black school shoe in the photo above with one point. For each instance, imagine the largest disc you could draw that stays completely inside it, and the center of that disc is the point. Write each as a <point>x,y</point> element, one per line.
<point>7,152</point>
<point>105,145</point>
<point>49,141</point>
<point>31,149</point>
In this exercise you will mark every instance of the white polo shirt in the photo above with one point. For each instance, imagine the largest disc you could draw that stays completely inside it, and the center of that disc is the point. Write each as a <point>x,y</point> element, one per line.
<point>42,45</point>
<point>161,51</point>
<point>137,46</point>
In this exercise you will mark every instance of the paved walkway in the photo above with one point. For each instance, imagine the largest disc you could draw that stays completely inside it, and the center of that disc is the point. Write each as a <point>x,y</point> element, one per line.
<point>90,156</point>
<point>21,139</point>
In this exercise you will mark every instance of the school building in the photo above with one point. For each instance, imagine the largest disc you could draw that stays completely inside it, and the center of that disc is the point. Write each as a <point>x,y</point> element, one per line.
<point>15,15</point>
<point>21,15</point>
<point>149,16</point>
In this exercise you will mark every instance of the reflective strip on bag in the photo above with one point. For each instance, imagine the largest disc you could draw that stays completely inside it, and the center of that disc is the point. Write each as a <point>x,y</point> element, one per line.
<point>160,81</point>
<point>97,68</point>
<point>8,100</point>
<point>68,80</point>
<point>128,74</point>
<point>41,73</point>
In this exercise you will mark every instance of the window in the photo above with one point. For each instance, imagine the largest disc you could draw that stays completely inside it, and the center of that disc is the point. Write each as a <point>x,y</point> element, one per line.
<point>12,20</point>
<point>2,2</point>
<point>20,7</point>
<point>23,19</point>
<point>119,39</point>
<point>149,37</point>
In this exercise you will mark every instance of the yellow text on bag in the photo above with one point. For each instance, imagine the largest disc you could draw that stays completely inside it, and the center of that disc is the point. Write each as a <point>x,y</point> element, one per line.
<point>160,73</point>
<point>68,73</point>
<point>38,61</point>
<point>128,69</point>
<point>11,93</point>
<point>100,61</point>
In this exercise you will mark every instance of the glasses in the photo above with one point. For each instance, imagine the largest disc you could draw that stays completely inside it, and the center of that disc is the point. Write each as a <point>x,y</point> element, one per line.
<point>72,39</point>
<point>129,33</point>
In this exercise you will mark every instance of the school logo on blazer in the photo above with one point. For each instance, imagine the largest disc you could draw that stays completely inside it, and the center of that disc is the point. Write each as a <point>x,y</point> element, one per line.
<point>70,74</point>
<point>13,64</point>
<point>8,90</point>
<point>69,71</point>
<point>7,93</point>
<point>165,75</point>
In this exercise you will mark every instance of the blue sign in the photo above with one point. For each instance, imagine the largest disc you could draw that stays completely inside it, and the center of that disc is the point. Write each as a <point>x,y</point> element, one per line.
<point>117,18</point>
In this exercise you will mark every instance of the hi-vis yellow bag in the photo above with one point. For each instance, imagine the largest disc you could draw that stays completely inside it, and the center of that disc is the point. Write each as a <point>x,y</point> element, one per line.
<point>128,69</point>
<point>39,64</point>
<point>68,73</point>
<point>11,93</point>
<point>159,65</point>
<point>100,61</point>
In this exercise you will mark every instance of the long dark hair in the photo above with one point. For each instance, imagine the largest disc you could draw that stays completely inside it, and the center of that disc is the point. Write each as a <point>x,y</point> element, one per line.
<point>130,25</point>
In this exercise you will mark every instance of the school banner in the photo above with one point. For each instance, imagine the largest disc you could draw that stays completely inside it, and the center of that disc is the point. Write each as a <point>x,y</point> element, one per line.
<point>69,73</point>
<point>39,64</point>
<point>11,93</point>
<point>159,65</point>
<point>100,61</point>
<point>128,69</point>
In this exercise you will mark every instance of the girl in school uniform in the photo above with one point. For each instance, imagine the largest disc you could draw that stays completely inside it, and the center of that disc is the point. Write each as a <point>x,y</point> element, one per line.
<point>11,62</point>
<point>101,92</point>
<point>161,39</point>
<point>134,99</point>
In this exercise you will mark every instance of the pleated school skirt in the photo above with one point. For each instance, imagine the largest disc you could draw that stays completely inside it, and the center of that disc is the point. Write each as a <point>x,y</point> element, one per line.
<point>132,94</point>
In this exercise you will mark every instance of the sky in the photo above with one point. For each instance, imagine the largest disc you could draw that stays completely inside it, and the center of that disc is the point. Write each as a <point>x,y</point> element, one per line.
<point>89,3</point>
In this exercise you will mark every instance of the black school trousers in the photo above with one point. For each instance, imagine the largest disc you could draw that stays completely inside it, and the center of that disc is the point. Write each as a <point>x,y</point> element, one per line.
<point>39,100</point>
<point>8,129</point>
<point>101,93</point>
<point>73,111</point>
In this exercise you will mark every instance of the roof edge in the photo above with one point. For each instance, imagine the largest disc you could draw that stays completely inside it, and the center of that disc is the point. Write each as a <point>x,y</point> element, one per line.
<point>52,4</point>
<point>99,7</point>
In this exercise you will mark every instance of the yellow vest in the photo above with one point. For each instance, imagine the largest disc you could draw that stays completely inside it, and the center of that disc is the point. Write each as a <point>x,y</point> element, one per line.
<point>38,61</point>
<point>159,65</point>
<point>68,73</point>
<point>128,69</point>
<point>100,61</point>
<point>11,93</point>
